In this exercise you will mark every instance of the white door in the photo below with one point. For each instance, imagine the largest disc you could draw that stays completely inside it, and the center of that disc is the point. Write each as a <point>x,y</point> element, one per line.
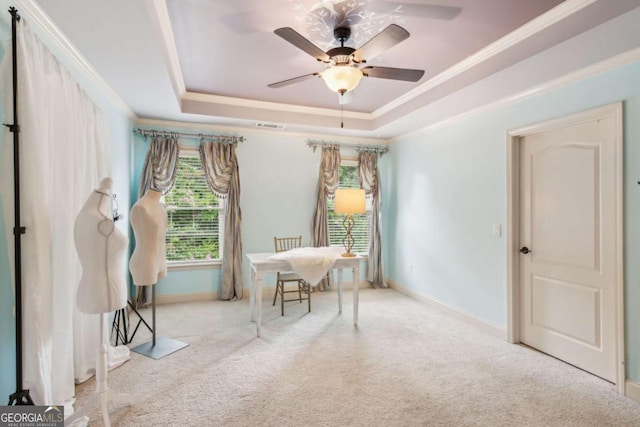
<point>568,223</point>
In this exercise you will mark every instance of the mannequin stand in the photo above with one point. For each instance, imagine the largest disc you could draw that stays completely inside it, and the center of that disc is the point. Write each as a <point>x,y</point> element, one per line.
<point>103,394</point>
<point>121,325</point>
<point>158,347</point>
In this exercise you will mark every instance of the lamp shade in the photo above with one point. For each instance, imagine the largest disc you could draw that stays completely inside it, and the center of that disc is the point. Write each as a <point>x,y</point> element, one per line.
<point>342,78</point>
<point>350,201</point>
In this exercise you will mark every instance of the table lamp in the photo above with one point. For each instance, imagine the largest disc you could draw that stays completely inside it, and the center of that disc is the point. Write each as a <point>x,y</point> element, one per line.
<point>349,201</point>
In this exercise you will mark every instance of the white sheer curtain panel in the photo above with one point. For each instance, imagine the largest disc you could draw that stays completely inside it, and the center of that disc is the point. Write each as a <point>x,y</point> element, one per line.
<point>62,158</point>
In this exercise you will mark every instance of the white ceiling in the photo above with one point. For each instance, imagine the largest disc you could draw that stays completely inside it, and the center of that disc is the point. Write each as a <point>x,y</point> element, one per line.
<point>210,61</point>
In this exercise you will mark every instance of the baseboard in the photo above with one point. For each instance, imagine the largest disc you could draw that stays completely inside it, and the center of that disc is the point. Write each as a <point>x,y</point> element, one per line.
<point>347,286</point>
<point>178,298</point>
<point>481,324</point>
<point>266,291</point>
<point>632,390</point>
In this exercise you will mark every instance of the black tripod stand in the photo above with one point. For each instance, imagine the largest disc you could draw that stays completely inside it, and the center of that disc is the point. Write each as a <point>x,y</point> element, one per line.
<point>21,396</point>
<point>121,324</point>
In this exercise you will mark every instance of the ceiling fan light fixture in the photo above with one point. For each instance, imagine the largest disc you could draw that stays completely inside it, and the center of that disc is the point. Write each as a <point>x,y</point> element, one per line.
<point>342,78</point>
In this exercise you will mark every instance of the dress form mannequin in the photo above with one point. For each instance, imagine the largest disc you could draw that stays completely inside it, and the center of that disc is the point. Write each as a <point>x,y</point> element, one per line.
<point>101,247</point>
<point>102,288</point>
<point>149,221</point>
<point>148,263</point>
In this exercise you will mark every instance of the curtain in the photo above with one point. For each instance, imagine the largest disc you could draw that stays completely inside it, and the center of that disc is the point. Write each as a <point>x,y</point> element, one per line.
<point>223,176</point>
<point>327,184</point>
<point>158,174</point>
<point>370,182</point>
<point>160,165</point>
<point>63,156</point>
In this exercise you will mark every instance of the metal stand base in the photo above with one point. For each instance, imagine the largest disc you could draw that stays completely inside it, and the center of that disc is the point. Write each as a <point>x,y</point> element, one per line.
<point>158,347</point>
<point>163,347</point>
<point>20,397</point>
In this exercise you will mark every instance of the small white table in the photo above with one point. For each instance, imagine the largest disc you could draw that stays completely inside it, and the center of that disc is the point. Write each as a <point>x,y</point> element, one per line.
<point>260,263</point>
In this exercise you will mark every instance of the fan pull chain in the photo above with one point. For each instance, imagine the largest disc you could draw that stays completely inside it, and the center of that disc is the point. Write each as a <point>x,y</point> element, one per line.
<point>342,108</point>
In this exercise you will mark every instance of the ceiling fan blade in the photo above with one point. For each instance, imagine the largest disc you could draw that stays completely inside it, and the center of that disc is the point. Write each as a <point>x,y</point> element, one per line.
<point>433,11</point>
<point>385,39</point>
<point>293,80</point>
<point>393,73</point>
<point>296,39</point>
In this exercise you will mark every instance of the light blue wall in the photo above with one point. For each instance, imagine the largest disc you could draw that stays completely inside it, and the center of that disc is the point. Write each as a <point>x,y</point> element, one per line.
<point>7,298</point>
<point>279,176</point>
<point>119,127</point>
<point>7,320</point>
<point>446,187</point>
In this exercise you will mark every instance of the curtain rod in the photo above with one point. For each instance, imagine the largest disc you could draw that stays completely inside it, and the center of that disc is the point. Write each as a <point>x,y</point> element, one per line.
<point>225,139</point>
<point>314,143</point>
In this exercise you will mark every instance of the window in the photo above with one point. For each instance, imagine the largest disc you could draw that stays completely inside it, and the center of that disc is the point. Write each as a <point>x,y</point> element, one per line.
<point>349,179</point>
<point>194,214</point>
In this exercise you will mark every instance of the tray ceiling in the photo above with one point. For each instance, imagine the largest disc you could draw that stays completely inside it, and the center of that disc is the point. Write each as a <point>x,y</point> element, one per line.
<point>210,61</point>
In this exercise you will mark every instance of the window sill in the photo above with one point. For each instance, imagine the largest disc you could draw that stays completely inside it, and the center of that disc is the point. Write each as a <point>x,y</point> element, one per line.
<point>193,265</point>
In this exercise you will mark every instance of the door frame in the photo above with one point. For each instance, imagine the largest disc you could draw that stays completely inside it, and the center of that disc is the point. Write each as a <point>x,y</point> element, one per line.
<point>513,223</point>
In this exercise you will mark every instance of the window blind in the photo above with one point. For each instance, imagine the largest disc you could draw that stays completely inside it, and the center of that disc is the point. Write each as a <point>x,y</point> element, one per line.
<point>193,214</point>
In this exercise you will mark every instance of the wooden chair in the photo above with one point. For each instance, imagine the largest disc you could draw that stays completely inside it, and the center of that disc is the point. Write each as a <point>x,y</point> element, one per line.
<point>284,244</point>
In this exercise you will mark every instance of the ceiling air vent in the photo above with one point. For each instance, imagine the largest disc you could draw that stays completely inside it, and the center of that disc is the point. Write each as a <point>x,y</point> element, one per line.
<point>265,125</point>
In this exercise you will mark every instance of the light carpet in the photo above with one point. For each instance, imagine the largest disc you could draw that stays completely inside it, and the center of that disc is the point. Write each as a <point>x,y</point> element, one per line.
<point>406,364</point>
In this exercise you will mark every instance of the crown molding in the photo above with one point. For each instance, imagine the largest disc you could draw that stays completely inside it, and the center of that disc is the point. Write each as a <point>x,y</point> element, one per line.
<point>271,106</point>
<point>531,28</point>
<point>160,20</point>
<point>238,130</point>
<point>593,70</point>
<point>53,37</point>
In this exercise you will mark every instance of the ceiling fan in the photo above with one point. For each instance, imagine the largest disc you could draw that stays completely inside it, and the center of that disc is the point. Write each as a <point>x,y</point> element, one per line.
<point>343,64</point>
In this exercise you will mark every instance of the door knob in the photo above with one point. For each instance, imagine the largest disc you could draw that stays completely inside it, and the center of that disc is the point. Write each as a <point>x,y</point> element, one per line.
<point>525,250</point>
